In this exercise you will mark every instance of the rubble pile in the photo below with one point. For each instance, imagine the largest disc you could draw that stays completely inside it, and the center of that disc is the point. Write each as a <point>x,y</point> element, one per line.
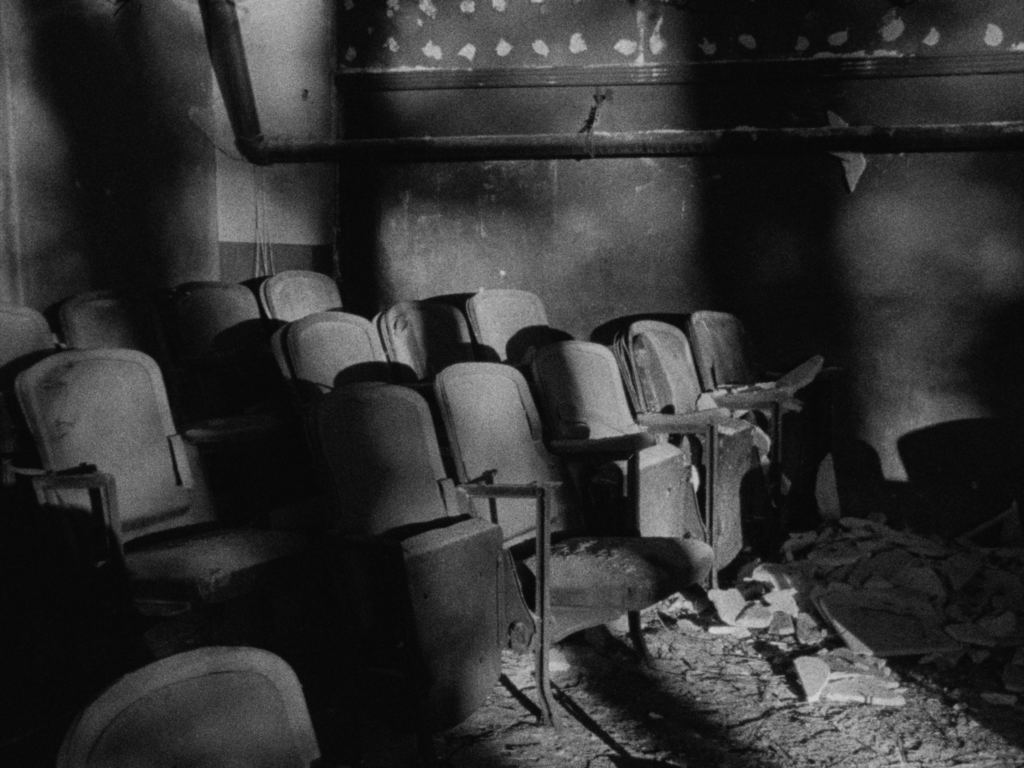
<point>882,593</point>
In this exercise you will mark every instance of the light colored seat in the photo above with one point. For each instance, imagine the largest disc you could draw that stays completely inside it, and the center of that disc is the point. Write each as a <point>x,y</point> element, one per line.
<point>425,337</point>
<point>109,319</point>
<point>296,293</point>
<point>507,323</point>
<point>108,408</point>
<point>213,707</point>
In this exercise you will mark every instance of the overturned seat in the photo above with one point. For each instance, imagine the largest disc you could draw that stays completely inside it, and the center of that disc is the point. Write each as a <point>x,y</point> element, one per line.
<point>422,577</point>
<point>296,293</point>
<point>507,323</point>
<point>661,380</point>
<point>496,436</point>
<point>325,350</point>
<point>108,408</point>
<point>424,337</point>
<point>585,403</point>
<point>213,706</point>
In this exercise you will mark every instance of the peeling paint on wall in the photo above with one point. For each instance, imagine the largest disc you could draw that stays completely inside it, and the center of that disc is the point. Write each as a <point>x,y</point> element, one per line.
<point>541,48</point>
<point>503,48</point>
<point>468,52</point>
<point>892,26</point>
<point>993,35</point>
<point>657,42</point>
<point>932,38</point>
<point>748,42</point>
<point>839,38</point>
<point>626,47</point>
<point>577,44</point>
<point>432,51</point>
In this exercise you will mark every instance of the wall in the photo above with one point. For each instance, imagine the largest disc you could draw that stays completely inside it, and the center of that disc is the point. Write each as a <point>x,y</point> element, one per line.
<point>909,273</point>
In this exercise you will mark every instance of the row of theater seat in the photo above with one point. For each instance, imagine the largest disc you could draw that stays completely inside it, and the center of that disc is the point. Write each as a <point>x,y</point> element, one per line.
<point>377,445</point>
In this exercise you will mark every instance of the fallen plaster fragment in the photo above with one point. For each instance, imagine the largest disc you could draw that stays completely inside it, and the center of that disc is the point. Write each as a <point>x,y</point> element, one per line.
<point>432,50</point>
<point>504,48</point>
<point>656,42</point>
<point>783,600</point>
<point>626,47</point>
<point>1013,676</point>
<point>869,626</point>
<point>755,616</point>
<point>577,44</point>
<point>782,625</point>
<point>978,655</point>
<point>838,38</point>
<point>499,5</point>
<point>1001,625</point>
<point>541,48</point>
<point>748,41</point>
<point>932,38</point>
<point>468,51</point>
<point>729,603</point>
<point>1000,699</point>
<point>467,6</point>
<point>392,45</point>
<point>739,632</point>
<point>813,674</point>
<point>807,630</point>
<point>862,690</point>
<point>972,634</point>
<point>993,35</point>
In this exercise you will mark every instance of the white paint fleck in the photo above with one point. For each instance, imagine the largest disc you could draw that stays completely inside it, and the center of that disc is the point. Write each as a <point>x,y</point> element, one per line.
<point>802,44</point>
<point>577,44</point>
<point>427,7</point>
<point>656,42</point>
<point>499,5</point>
<point>391,45</point>
<point>468,51</point>
<point>536,2</point>
<point>541,48</point>
<point>708,47</point>
<point>993,35</point>
<point>349,5</point>
<point>838,38</point>
<point>504,48</point>
<point>502,273</point>
<point>892,27</point>
<point>419,22</point>
<point>880,52</point>
<point>350,54</point>
<point>932,38</point>
<point>1017,47</point>
<point>432,51</point>
<point>748,42</point>
<point>467,6</point>
<point>626,47</point>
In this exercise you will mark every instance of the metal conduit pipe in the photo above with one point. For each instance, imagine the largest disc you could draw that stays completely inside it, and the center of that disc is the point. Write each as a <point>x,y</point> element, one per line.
<point>227,54</point>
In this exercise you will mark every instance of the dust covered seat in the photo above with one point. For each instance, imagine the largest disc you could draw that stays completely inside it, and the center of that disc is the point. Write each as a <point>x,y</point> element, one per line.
<point>108,319</point>
<point>424,337</point>
<point>325,350</point>
<point>213,706</point>
<point>296,293</point>
<point>661,379</point>
<point>25,338</point>
<point>495,434</point>
<point>108,408</point>
<point>421,577</point>
<point>507,323</point>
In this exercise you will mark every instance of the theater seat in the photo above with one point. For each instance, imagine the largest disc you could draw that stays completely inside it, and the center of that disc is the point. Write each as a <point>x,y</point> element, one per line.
<point>210,707</point>
<point>108,408</point>
<point>508,323</point>
<point>424,337</point>
<point>296,293</point>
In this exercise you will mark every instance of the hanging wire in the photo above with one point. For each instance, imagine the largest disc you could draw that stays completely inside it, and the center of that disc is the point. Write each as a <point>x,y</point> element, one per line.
<point>263,254</point>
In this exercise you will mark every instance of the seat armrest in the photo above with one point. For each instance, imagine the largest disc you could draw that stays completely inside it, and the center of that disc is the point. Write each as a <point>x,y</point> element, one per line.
<point>619,445</point>
<point>102,490</point>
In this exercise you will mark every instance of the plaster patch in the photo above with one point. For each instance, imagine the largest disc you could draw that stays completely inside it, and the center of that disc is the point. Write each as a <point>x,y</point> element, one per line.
<point>932,38</point>
<point>892,27</point>
<point>467,6</point>
<point>392,45</point>
<point>838,38</point>
<point>748,42</point>
<point>708,47</point>
<point>419,22</point>
<point>626,47</point>
<point>577,44</point>
<point>468,52</point>
<point>504,48</point>
<point>541,48</point>
<point>427,7</point>
<point>350,54</point>
<point>802,44</point>
<point>993,35</point>
<point>432,51</point>
<point>499,5</point>
<point>349,5</point>
<point>656,42</point>
<point>1017,47</point>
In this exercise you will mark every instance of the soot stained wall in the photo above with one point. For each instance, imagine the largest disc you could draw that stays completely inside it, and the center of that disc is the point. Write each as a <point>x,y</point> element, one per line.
<point>912,280</point>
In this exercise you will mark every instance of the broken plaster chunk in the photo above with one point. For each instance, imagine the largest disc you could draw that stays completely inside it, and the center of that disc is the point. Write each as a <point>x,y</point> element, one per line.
<point>729,603</point>
<point>777,576</point>
<point>807,630</point>
<point>921,579</point>
<point>797,542</point>
<point>836,555</point>
<point>1013,677</point>
<point>813,674</point>
<point>782,600</point>
<point>755,616</point>
<point>978,655</point>
<point>960,568</point>
<point>1000,625</point>
<point>862,690</point>
<point>782,624</point>
<point>1000,699</point>
<point>731,631</point>
<point>972,634</point>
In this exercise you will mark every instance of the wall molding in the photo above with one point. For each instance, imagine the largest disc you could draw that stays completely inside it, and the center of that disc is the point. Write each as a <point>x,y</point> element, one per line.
<point>824,68</point>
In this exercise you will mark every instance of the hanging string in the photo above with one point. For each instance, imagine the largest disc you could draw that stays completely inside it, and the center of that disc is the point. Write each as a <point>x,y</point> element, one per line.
<point>263,254</point>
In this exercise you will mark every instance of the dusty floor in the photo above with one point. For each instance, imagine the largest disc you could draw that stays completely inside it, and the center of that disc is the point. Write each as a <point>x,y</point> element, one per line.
<point>726,701</point>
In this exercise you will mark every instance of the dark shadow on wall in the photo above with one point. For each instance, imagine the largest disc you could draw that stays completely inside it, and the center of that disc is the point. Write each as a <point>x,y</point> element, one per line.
<point>119,81</point>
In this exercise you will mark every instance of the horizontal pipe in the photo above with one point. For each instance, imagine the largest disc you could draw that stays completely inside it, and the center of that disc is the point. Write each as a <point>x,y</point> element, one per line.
<point>227,54</point>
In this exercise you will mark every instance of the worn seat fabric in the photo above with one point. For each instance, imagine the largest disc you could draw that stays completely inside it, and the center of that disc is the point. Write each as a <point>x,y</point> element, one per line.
<point>209,708</point>
<point>425,337</point>
<point>507,323</point>
<point>108,408</point>
<point>296,293</point>
<point>495,431</point>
